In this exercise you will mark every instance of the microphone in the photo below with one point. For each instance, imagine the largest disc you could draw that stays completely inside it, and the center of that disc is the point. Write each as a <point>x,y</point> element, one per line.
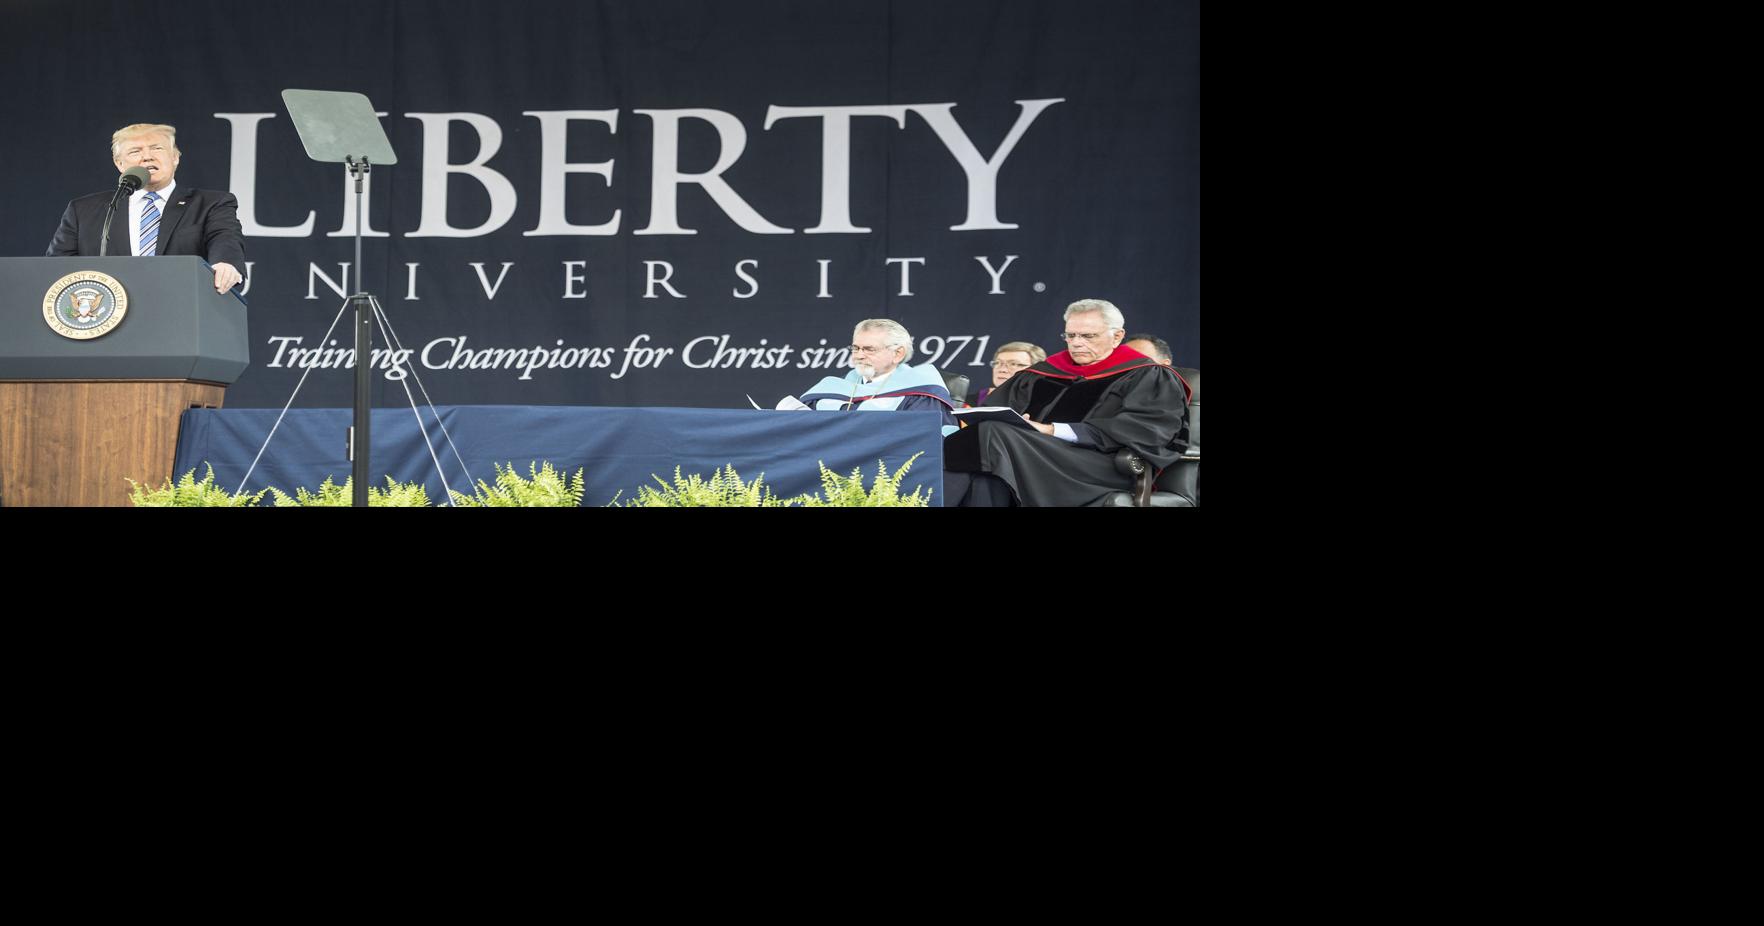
<point>132,179</point>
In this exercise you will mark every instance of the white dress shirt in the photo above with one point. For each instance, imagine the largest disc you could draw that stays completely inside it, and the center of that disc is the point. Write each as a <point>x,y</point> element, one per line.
<point>137,200</point>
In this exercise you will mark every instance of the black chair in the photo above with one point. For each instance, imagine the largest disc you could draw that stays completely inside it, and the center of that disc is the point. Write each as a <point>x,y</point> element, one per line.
<point>1178,486</point>
<point>957,384</point>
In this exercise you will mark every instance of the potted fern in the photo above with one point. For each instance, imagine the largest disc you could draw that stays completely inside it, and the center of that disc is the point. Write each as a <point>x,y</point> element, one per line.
<point>724,489</point>
<point>848,491</point>
<point>545,487</point>
<point>331,495</point>
<point>189,493</point>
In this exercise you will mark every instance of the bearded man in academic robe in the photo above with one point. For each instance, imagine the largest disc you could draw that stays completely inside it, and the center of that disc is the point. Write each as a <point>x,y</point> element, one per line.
<point>1085,404</point>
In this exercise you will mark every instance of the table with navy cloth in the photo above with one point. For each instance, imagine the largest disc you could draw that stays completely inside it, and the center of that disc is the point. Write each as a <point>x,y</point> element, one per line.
<point>619,448</point>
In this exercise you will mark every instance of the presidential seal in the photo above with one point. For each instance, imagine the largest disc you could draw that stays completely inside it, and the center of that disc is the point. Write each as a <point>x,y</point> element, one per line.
<point>85,305</point>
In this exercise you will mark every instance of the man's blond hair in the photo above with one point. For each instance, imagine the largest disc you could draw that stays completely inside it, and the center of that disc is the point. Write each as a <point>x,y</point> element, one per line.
<point>142,128</point>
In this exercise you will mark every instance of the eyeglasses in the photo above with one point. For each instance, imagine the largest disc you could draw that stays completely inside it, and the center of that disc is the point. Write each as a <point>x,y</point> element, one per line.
<point>1087,338</point>
<point>860,349</point>
<point>1010,365</point>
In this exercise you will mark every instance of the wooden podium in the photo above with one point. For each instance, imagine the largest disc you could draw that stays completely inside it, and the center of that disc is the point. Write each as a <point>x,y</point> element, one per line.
<point>81,413</point>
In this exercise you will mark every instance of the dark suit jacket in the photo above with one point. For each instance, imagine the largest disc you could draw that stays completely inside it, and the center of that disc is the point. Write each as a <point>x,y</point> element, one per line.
<point>200,222</point>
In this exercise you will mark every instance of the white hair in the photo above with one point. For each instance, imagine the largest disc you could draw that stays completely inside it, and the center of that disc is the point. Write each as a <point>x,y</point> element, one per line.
<point>1111,315</point>
<point>897,334</point>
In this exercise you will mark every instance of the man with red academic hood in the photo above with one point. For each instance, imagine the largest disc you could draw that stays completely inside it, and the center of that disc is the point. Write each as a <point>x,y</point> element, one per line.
<point>1084,404</point>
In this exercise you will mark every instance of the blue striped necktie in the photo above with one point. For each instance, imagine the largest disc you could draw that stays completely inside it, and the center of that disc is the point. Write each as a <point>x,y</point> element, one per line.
<point>149,224</point>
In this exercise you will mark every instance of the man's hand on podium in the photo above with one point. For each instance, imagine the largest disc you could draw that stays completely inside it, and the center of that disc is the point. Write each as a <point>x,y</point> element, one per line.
<point>225,277</point>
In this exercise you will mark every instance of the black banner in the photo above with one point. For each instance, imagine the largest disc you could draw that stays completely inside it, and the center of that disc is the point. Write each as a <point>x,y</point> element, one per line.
<point>660,203</point>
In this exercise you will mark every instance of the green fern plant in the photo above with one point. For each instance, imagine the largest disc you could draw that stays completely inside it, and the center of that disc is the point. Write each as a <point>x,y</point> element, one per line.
<point>332,495</point>
<point>724,489</point>
<point>545,489</point>
<point>188,493</point>
<point>399,495</point>
<point>848,491</point>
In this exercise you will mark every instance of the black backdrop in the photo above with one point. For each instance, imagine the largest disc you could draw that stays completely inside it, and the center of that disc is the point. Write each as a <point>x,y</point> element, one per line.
<point>1099,191</point>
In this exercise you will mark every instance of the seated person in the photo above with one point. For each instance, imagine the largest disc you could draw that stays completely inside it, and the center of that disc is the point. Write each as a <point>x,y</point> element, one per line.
<point>1152,346</point>
<point>1006,361</point>
<point>1085,403</point>
<point>881,380</point>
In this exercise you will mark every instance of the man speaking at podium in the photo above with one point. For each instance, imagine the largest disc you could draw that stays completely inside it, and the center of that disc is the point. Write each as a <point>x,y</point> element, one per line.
<point>161,218</point>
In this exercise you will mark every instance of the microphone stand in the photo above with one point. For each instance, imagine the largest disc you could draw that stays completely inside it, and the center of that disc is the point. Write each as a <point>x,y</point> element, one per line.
<point>104,240</point>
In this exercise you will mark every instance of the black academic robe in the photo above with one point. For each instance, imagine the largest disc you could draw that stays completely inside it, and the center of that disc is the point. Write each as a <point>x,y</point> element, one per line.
<point>1127,400</point>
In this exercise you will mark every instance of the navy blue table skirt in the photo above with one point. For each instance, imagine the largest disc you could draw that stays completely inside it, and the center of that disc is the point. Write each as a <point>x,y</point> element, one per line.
<point>619,447</point>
